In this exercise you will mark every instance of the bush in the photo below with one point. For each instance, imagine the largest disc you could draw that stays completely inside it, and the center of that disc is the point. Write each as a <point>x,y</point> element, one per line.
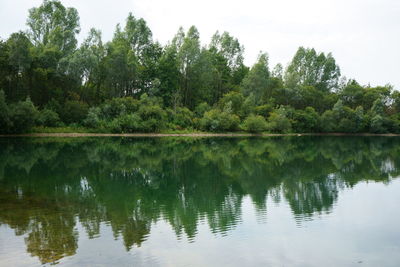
<point>263,110</point>
<point>234,99</point>
<point>182,117</point>
<point>119,106</point>
<point>328,121</point>
<point>93,118</point>
<point>129,123</point>
<point>153,118</point>
<point>5,122</point>
<point>305,121</point>
<point>347,126</point>
<point>48,118</point>
<point>255,124</point>
<point>378,124</point>
<point>201,109</point>
<point>217,120</point>
<point>278,122</point>
<point>23,116</point>
<point>74,111</point>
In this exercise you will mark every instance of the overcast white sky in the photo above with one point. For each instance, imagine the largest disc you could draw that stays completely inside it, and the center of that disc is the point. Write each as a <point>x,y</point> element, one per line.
<point>363,35</point>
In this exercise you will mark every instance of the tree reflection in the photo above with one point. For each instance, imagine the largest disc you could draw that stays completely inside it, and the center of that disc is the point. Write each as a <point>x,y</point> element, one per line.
<point>47,186</point>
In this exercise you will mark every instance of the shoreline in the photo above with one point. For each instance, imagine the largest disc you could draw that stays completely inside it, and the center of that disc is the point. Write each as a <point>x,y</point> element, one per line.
<point>187,134</point>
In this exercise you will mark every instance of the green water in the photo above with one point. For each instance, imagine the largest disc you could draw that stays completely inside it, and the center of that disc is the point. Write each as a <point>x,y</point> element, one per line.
<point>295,201</point>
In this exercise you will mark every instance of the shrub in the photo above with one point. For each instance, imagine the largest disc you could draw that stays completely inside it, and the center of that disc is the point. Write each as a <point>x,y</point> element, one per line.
<point>235,100</point>
<point>119,106</point>
<point>347,126</point>
<point>93,117</point>
<point>182,117</point>
<point>255,124</point>
<point>263,110</point>
<point>278,122</point>
<point>153,118</point>
<point>5,122</point>
<point>217,120</point>
<point>328,121</point>
<point>23,116</point>
<point>129,123</point>
<point>305,121</point>
<point>201,109</point>
<point>378,124</point>
<point>48,118</point>
<point>75,111</point>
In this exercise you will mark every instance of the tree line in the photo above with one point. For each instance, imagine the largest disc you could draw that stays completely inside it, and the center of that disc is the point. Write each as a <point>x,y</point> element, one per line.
<point>134,84</point>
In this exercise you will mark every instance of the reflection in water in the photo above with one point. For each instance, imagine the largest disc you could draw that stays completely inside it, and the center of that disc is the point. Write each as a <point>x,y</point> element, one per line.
<point>48,185</point>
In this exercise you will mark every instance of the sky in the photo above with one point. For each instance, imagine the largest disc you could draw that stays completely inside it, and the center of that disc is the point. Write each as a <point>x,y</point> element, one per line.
<point>362,35</point>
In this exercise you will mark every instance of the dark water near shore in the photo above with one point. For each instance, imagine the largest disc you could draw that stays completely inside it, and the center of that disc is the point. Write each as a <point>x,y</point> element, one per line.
<point>273,201</point>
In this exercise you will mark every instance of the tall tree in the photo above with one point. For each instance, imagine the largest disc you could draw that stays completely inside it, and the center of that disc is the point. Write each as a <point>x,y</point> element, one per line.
<point>121,67</point>
<point>86,65</point>
<point>19,60</point>
<point>257,80</point>
<point>188,56</point>
<point>310,68</point>
<point>169,75</point>
<point>53,25</point>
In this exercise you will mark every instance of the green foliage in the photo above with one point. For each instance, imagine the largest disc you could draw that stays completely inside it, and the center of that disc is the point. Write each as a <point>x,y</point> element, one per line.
<point>217,120</point>
<point>257,80</point>
<point>201,109</point>
<point>377,124</point>
<point>279,122</point>
<point>23,115</point>
<point>263,110</point>
<point>306,121</point>
<point>134,84</point>
<point>378,107</point>
<point>93,118</point>
<point>5,120</point>
<point>181,118</point>
<point>309,68</point>
<point>234,99</point>
<point>254,124</point>
<point>128,123</point>
<point>74,111</point>
<point>328,121</point>
<point>153,118</point>
<point>48,118</point>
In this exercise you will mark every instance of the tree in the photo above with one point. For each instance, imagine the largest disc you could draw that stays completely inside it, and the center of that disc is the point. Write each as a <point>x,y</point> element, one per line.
<point>169,75</point>
<point>188,56</point>
<point>230,48</point>
<point>19,60</point>
<point>121,67</point>
<point>311,68</point>
<point>85,65</point>
<point>53,25</point>
<point>352,94</point>
<point>257,80</point>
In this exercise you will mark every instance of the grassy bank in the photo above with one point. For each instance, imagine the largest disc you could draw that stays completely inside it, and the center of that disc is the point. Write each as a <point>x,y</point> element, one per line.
<point>87,132</point>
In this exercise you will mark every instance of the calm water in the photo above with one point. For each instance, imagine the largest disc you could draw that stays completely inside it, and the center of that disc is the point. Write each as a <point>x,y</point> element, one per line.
<point>299,201</point>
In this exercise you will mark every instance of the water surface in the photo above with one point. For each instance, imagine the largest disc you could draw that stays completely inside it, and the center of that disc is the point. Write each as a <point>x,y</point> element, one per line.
<point>275,201</point>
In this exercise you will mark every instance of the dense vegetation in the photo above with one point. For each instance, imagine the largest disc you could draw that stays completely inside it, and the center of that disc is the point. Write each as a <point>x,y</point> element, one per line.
<point>134,84</point>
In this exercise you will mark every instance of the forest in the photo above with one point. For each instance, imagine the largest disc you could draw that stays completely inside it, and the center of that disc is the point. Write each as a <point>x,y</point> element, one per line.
<point>135,84</point>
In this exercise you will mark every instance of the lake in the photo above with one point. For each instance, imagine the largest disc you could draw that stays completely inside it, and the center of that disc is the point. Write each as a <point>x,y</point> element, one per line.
<point>174,201</point>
